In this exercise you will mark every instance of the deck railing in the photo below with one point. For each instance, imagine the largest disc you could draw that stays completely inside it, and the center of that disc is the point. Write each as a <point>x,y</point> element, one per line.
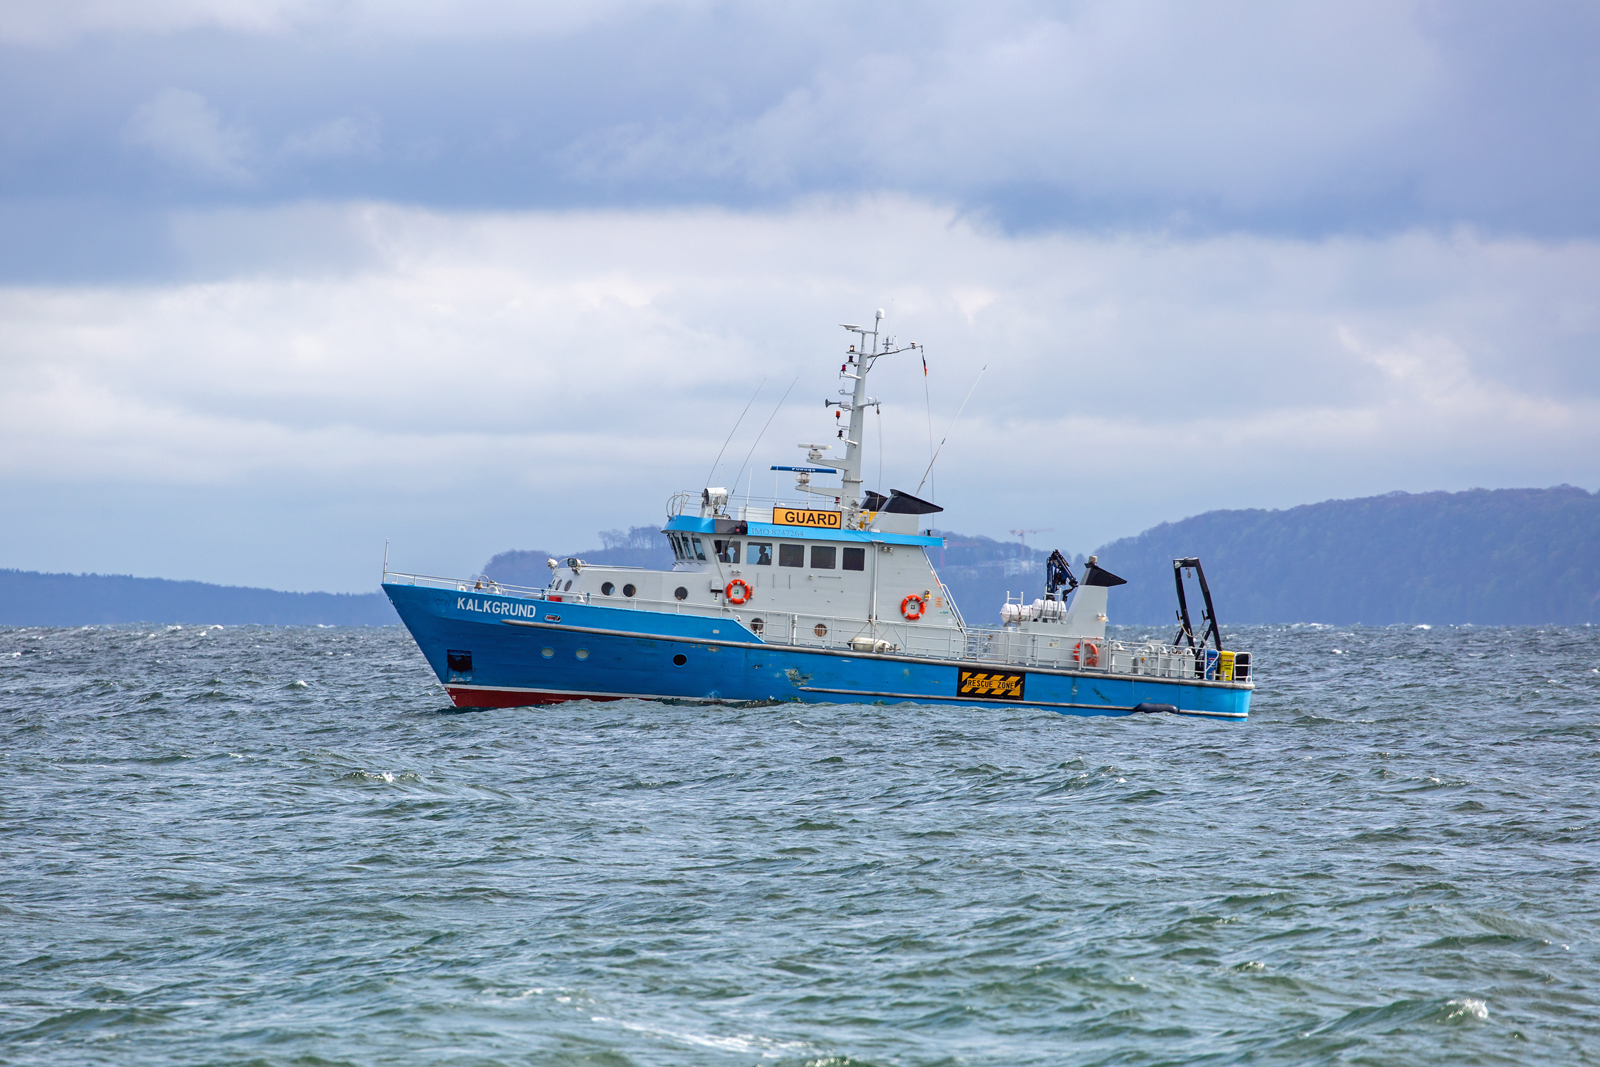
<point>991,646</point>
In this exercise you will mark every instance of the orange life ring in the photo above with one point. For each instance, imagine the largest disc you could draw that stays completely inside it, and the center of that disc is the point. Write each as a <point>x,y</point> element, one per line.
<point>1086,653</point>
<point>912,606</point>
<point>743,593</point>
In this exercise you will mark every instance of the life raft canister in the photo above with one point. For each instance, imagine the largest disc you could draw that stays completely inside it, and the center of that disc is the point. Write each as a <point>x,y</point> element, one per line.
<point>738,591</point>
<point>913,606</point>
<point>1086,653</point>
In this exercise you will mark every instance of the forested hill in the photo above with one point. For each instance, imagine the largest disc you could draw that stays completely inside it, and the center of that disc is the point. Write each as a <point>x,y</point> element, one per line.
<point>28,598</point>
<point>1502,556</point>
<point>638,546</point>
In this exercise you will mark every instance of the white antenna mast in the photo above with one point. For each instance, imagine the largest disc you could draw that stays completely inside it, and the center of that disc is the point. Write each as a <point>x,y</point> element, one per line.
<point>858,363</point>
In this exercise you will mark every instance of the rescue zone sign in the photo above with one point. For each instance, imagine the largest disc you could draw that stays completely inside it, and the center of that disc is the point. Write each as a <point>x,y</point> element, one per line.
<point>991,685</point>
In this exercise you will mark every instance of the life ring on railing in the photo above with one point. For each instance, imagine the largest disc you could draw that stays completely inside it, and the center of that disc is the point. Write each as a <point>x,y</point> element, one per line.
<point>1087,653</point>
<point>913,606</point>
<point>738,591</point>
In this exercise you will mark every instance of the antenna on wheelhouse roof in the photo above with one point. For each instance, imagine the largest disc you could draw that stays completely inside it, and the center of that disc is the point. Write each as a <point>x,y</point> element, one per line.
<point>712,473</point>
<point>776,407</point>
<point>953,422</point>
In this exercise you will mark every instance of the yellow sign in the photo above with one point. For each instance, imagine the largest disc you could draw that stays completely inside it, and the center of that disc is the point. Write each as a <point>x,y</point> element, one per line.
<point>990,685</point>
<point>821,520</point>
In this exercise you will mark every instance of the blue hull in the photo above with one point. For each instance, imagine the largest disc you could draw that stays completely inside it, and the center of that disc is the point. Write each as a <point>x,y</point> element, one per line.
<point>502,651</point>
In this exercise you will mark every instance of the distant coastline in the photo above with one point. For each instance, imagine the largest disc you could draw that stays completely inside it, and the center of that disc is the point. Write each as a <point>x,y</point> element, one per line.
<point>1503,557</point>
<point>1490,557</point>
<point>32,598</point>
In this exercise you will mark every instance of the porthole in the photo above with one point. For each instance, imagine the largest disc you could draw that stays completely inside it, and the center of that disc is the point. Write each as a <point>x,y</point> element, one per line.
<point>680,659</point>
<point>607,589</point>
<point>583,653</point>
<point>820,630</point>
<point>628,590</point>
<point>756,626</point>
<point>681,593</point>
<point>567,586</point>
<point>547,652</point>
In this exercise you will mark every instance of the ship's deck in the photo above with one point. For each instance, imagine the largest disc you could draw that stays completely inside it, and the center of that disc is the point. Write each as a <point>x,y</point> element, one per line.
<point>1033,645</point>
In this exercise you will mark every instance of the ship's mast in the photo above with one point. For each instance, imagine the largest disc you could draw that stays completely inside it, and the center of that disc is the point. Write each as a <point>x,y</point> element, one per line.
<point>867,351</point>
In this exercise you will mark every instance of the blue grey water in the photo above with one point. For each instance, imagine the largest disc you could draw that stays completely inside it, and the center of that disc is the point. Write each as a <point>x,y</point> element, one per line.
<point>282,846</point>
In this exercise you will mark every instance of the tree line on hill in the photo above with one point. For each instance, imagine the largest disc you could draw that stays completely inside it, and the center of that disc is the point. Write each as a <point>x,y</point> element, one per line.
<point>29,598</point>
<point>1487,557</point>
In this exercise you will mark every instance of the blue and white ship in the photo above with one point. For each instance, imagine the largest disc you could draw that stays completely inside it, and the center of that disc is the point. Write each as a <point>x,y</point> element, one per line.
<point>829,596</point>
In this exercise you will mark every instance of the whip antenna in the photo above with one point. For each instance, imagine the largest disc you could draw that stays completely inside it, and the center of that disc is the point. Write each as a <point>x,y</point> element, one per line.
<point>953,422</point>
<point>762,434</point>
<point>712,472</point>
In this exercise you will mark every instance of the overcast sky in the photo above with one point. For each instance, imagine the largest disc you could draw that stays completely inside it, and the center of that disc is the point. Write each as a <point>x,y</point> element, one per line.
<point>281,280</point>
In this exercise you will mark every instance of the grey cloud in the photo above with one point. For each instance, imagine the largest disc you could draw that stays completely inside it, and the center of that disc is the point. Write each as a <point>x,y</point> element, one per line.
<point>57,22</point>
<point>438,357</point>
<point>182,129</point>
<point>1293,119</point>
<point>339,138</point>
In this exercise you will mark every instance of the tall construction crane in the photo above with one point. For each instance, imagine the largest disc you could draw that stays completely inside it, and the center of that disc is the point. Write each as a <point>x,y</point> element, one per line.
<point>1024,535</point>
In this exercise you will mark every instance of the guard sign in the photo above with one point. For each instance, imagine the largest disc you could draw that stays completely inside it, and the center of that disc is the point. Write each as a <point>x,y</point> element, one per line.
<point>820,520</point>
<point>991,685</point>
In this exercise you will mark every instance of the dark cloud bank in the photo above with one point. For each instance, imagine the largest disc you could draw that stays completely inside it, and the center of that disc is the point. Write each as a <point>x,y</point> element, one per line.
<point>1293,121</point>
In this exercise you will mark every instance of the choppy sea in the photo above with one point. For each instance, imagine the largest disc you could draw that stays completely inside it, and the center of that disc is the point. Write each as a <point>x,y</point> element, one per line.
<point>282,846</point>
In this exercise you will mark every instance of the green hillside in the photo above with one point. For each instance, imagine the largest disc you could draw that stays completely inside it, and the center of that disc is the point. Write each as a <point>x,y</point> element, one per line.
<point>29,598</point>
<point>1502,556</point>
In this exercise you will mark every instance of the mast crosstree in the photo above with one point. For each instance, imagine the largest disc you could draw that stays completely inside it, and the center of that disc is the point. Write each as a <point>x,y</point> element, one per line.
<point>871,347</point>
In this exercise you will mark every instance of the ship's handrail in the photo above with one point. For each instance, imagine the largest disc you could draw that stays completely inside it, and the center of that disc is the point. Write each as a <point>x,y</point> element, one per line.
<point>753,508</point>
<point>466,585</point>
<point>991,646</point>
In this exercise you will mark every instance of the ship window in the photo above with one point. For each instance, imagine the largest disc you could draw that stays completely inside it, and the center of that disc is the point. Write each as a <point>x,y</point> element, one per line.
<point>567,586</point>
<point>699,552</point>
<point>680,659</point>
<point>820,629</point>
<point>628,590</point>
<point>547,652</point>
<point>681,593</point>
<point>855,559</point>
<point>759,554</point>
<point>727,551</point>
<point>791,555</point>
<point>608,588</point>
<point>757,625</point>
<point>823,557</point>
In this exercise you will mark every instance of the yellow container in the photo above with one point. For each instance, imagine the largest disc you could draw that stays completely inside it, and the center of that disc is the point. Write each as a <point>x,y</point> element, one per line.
<point>1225,666</point>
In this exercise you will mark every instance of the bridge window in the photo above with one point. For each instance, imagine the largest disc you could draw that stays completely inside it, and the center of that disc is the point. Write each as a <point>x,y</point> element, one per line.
<point>759,554</point>
<point>727,551</point>
<point>791,555</point>
<point>699,551</point>
<point>823,557</point>
<point>855,559</point>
